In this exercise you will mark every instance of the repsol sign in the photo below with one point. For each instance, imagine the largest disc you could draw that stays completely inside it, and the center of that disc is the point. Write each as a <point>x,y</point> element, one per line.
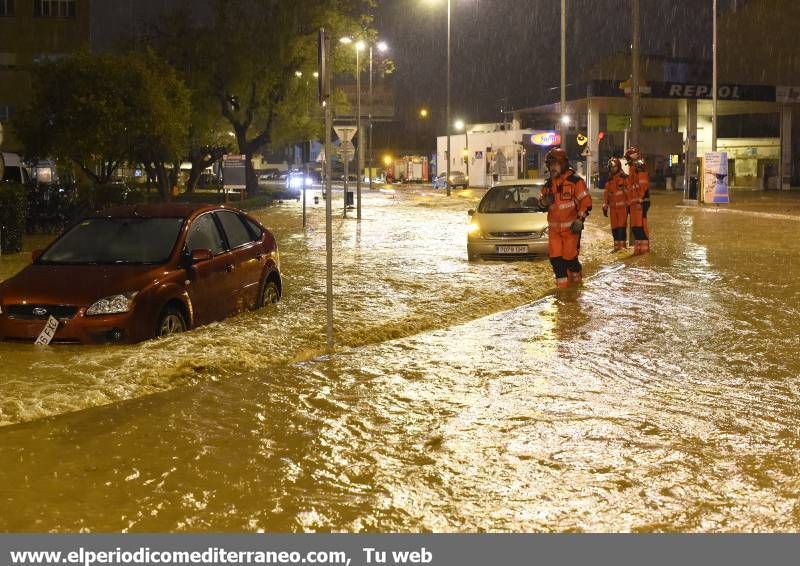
<point>724,92</point>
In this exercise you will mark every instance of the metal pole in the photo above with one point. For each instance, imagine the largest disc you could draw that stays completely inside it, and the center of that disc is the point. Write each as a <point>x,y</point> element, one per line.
<point>636,110</point>
<point>346,159</point>
<point>447,179</point>
<point>714,83</point>
<point>370,156</point>
<point>563,107</point>
<point>466,149</point>
<point>361,138</point>
<point>328,189</point>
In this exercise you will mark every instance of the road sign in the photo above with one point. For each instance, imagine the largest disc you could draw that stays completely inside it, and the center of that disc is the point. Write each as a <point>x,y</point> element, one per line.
<point>346,150</point>
<point>586,153</point>
<point>234,172</point>
<point>345,133</point>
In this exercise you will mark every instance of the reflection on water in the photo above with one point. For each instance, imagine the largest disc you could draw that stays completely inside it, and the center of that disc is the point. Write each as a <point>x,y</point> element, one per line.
<point>661,396</point>
<point>403,270</point>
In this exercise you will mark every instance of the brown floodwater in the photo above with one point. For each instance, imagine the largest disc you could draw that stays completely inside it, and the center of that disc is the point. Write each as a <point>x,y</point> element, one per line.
<point>660,396</point>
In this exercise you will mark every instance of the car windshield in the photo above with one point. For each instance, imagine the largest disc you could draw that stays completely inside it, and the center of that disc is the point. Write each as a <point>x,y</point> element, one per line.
<point>116,241</point>
<point>13,174</point>
<point>511,198</point>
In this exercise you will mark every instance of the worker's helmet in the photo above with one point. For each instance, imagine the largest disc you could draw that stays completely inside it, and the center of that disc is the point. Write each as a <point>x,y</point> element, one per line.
<point>614,164</point>
<point>633,154</point>
<point>557,155</point>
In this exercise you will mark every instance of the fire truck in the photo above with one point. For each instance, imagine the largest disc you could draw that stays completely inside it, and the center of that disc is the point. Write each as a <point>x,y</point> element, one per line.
<point>409,169</point>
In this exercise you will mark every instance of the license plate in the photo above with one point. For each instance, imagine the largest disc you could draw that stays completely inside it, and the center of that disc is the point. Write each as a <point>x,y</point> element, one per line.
<point>512,249</point>
<point>48,332</point>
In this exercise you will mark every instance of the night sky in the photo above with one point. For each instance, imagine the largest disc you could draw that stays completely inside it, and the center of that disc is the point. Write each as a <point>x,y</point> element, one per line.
<point>504,52</point>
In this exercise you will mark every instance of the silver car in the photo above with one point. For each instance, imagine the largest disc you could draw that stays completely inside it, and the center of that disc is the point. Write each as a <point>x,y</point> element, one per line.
<point>457,179</point>
<point>508,223</point>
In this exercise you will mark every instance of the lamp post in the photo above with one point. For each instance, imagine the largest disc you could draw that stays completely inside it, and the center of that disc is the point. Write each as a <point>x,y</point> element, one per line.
<point>360,156</point>
<point>382,47</point>
<point>447,183</point>
<point>714,79</point>
<point>459,126</point>
<point>563,103</point>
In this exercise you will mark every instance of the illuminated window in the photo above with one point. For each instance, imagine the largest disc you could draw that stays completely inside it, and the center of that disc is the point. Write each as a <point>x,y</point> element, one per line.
<point>54,8</point>
<point>6,7</point>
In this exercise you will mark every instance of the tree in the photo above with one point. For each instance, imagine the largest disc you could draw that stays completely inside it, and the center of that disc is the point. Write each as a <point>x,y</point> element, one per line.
<point>158,136</point>
<point>78,111</point>
<point>254,49</point>
<point>182,43</point>
<point>99,111</point>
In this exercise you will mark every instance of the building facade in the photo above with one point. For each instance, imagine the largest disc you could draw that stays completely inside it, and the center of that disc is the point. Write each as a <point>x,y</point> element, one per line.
<point>31,31</point>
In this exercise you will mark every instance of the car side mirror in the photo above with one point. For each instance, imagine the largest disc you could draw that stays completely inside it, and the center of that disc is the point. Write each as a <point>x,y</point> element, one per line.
<point>35,255</point>
<point>471,212</point>
<point>200,255</point>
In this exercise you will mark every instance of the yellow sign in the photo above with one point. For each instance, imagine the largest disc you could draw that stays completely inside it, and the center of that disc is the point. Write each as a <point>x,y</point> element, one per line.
<point>627,87</point>
<point>582,139</point>
<point>656,122</point>
<point>617,122</point>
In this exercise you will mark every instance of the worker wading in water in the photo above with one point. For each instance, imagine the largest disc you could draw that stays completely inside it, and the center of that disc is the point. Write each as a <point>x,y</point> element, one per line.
<point>638,184</point>
<point>615,202</point>
<point>568,203</point>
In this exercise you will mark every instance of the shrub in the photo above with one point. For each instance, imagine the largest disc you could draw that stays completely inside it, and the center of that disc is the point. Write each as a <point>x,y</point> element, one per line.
<point>13,213</point>
<point>111,194</point>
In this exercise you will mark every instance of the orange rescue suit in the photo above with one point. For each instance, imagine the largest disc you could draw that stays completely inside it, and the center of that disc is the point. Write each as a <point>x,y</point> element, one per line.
<point>639,199</point>
<point>571,202</point>
<point>615,200</point>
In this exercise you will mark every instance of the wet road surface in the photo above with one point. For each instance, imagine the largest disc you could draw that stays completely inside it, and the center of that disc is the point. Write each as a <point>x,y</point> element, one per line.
<point>660,396</point>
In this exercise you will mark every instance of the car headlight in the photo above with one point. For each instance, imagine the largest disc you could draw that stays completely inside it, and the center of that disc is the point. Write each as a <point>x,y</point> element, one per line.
<point>115,304</point>
<point>474,230</point>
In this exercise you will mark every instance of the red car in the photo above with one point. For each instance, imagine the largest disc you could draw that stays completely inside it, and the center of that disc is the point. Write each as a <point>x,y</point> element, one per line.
<point>136,272</point>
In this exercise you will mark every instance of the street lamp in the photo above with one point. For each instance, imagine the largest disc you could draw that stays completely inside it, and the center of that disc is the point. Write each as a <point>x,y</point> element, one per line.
<point>447,117</point>
<point>460,126</point>
<point>423,113</point>
<point>359,46</point>
<point>382,47</point>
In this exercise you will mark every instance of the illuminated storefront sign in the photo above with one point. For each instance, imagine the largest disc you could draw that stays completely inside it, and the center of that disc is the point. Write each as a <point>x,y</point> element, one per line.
<point>546,138</point>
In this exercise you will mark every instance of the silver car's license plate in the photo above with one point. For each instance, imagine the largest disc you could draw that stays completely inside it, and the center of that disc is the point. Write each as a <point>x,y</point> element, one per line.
<point>512,249</point>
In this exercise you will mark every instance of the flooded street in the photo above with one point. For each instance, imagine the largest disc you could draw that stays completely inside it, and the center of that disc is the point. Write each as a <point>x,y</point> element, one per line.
<point>662,395</point>
<point>403,270</point>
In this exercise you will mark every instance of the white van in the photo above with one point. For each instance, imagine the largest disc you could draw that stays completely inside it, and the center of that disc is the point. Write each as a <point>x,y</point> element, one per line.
<point>15,170</point>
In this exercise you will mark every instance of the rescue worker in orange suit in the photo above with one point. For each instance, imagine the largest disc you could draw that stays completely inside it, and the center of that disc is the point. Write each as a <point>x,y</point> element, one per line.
<point>615,202</point>
<point>638,183</point>
<point>568,203</point>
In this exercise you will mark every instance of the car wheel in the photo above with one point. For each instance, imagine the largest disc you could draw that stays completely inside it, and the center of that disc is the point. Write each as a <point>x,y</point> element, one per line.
<point>170,322</point>
<point>269,295</point>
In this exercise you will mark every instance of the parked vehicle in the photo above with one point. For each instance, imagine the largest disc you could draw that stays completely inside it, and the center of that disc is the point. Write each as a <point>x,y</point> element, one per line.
<point>410,169</point>
<point>270,174</point>
<point>508,222</point>
<point>297,180</point>
<point>15,170</point>
<point>136,272</point>
<point>457,179</point>
<point>209,181</point>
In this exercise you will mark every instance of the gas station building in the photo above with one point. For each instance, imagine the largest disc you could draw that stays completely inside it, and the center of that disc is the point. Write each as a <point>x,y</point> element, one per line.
<point>755,127</point>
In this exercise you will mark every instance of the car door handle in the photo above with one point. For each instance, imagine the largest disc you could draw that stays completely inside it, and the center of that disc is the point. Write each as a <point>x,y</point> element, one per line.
<point>230,267</point>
